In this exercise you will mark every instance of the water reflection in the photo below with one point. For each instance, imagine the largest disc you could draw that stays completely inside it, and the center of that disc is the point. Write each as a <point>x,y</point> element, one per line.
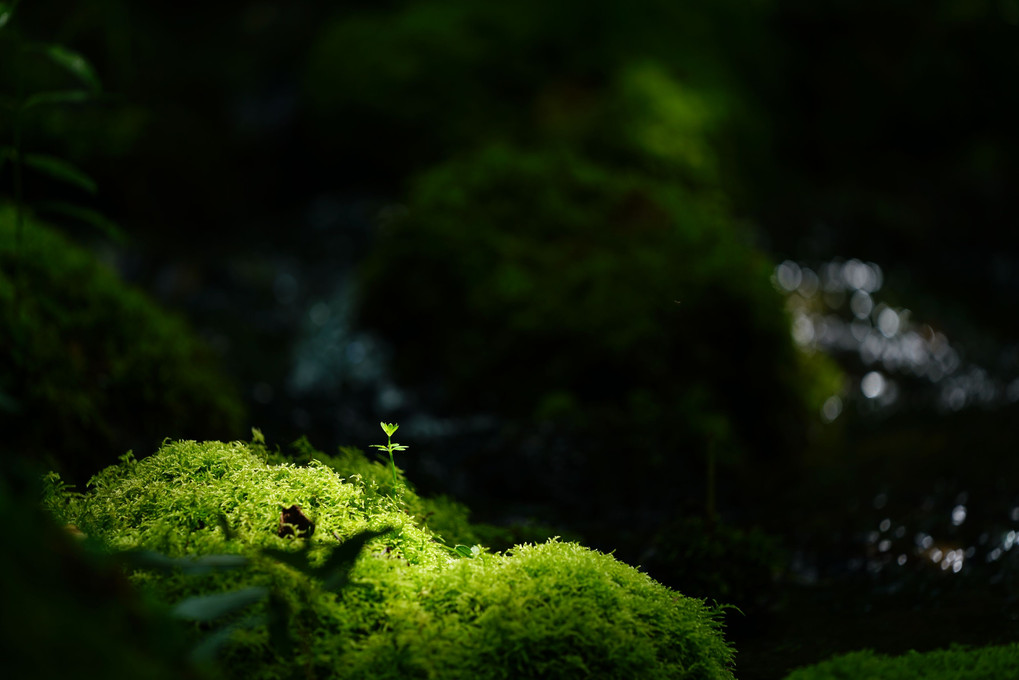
<point>942,547</point>
<point>896,360</point>
<point>835,309</point>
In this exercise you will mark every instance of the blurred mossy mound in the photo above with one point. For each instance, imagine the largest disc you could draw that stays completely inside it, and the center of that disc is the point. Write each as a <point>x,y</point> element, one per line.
<point>718,562</point>
<point>955,663</point>
<point>413,608</point>
<point>68,610</point>
<point>646,84</point>
<point>91,366</point>
<point>629,312</point>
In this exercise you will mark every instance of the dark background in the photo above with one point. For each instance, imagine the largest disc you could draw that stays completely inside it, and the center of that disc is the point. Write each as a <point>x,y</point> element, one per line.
<point>323,191</point>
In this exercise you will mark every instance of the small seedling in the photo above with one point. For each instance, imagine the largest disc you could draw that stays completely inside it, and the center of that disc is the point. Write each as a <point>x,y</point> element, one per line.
<point>390,447</point>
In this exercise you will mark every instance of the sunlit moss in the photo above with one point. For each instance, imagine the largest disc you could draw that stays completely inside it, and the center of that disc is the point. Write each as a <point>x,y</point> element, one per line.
<point>414,608</point>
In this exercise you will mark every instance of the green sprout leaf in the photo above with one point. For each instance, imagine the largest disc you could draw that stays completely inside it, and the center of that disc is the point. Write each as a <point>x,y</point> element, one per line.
<point>467,551</point>
<point>389,448</point>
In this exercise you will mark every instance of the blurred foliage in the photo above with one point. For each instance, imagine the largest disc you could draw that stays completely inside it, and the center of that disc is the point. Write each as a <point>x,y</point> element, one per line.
<point>68,611</point>
<point>46,91</point>
<point>551,290</point>
<point>718,562</point>
<point>91,366</point>
<point>413,607</point>
<point>402,87</point>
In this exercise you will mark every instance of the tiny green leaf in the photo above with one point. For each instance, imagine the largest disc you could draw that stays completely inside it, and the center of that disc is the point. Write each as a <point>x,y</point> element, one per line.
<point>73,63</point>
<point>210,607</point>
<point>389,428</point>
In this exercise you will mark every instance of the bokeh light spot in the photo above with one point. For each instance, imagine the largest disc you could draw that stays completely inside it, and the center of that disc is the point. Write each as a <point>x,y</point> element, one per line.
<point>872,385</point>
<point>788,275</point>
<point>831,409</point>
<point>861,303</point>
<point>888,322</point>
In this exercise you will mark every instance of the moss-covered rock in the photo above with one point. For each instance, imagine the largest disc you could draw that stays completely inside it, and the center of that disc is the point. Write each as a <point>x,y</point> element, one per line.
<point>414,608</point>
<point>552,290</point>
<point>91,366</point>
<point>956,663</point>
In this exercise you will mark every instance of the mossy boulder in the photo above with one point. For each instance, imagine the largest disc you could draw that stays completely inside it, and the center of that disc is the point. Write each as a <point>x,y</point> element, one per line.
<point>413,606</point>
<point>90,366</point>
<point>635,314</point>
<point>955,663</point>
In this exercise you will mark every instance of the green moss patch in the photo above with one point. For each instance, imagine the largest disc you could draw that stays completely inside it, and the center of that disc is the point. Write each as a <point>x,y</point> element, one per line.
<point>956,663</point>
<point>413,606</point>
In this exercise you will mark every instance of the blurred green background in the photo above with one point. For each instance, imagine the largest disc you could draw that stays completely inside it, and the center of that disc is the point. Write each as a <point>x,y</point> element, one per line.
<point>727,287</point>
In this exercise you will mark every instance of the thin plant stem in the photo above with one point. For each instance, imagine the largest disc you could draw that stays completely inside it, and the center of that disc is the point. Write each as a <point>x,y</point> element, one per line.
<point>392,462</point>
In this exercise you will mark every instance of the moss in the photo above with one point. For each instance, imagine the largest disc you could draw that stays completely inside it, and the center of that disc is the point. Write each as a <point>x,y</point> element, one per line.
<point>956,663</point>
<point>93,366</point>
<point>413,608</point>
<point>442,515</point>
